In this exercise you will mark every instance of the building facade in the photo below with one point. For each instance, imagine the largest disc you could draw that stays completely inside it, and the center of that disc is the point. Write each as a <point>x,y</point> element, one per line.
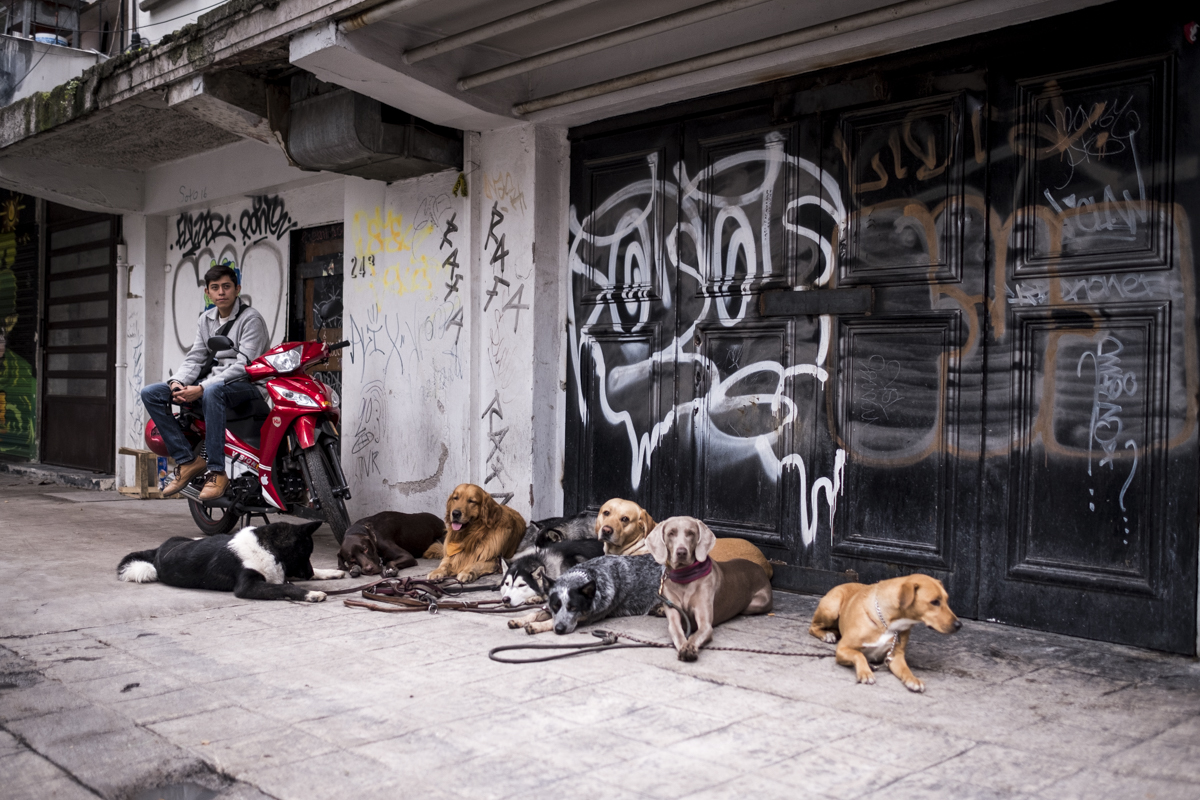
<point>903,288</point>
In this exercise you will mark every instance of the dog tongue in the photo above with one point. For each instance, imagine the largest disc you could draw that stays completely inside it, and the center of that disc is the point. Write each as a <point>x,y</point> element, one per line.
<point>456,526</point>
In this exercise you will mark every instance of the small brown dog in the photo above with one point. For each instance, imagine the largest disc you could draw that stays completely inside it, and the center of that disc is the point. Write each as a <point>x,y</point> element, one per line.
<point>623,526</point>
<point>872,623</point>
<point>710,592</point>
<point>384,543</point>
<point>478,532</point>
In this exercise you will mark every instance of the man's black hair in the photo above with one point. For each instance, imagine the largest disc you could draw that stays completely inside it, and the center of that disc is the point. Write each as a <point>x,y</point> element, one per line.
<point>221,271</point>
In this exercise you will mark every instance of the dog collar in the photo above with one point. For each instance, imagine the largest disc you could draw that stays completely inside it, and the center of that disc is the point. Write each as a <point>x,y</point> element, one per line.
<point>887,660</point>
<point>453,548</point>
<point>692,573</point>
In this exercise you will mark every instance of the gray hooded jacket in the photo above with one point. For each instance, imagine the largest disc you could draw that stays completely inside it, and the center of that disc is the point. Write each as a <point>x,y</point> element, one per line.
<point>249,334</point>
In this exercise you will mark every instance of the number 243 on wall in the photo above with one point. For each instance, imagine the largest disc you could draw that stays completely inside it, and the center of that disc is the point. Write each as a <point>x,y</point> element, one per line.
<point>358,266</point>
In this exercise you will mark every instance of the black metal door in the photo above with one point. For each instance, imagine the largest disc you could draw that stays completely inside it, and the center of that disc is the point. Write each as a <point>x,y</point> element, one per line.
<point>622,330</point>
<point>905,399</point>
<point>1091,471</point>
<point>79,404</point>
<point>1012,406</point>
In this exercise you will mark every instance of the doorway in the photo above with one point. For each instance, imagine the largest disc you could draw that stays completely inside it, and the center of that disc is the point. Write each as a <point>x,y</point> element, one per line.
<point>78,354</point>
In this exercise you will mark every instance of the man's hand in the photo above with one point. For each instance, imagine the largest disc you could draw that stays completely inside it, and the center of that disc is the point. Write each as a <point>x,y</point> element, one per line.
<point>187,394</point>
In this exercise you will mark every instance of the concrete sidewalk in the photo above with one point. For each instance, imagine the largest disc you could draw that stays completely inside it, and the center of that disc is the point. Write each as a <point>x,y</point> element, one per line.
<point>110,689</point>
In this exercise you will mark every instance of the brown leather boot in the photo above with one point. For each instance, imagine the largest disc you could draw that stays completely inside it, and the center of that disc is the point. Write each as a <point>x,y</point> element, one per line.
<point>183,476</point>
<point>214,486</point>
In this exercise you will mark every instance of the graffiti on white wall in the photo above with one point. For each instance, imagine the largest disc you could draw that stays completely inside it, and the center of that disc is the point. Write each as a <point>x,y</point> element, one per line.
<point>251,239</point>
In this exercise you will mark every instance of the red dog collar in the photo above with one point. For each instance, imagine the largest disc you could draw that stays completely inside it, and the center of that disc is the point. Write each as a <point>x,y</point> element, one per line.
<point>693,573</point>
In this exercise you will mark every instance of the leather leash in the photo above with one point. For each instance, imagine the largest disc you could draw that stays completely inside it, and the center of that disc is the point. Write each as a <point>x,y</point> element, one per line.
<point>609,641</point>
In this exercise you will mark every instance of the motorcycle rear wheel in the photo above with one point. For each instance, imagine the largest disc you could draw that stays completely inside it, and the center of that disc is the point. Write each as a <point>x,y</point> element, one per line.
<point>212,521</point>
<point>333,509</point>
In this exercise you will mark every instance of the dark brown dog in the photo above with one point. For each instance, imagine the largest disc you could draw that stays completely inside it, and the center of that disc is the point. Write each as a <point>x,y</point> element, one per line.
<point>478,532</point>
<point>384,543</point>
<point>872,623</point>
<point>709,591</point>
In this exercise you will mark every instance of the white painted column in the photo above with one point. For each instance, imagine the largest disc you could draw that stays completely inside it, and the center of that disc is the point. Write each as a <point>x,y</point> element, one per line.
<point>519,187</point>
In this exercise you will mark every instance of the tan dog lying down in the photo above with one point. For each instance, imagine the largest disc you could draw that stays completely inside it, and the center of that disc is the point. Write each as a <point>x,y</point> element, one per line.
<point>710,592</point>
<point>872,623</point>
<point>478,532</point>
<point>623,525</point>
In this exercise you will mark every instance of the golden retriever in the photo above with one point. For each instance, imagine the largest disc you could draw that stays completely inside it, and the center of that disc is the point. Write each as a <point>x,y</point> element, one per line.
<point>478,532</point>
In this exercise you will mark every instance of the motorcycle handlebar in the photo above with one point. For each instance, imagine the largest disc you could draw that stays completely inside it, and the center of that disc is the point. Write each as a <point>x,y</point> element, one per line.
<point>339,345</point>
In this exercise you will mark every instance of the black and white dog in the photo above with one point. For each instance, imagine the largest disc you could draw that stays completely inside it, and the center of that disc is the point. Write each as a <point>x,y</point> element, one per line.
<point>253,563</point>
<point>529,575</point>
<point>542,532</point>
<point>609,586</point>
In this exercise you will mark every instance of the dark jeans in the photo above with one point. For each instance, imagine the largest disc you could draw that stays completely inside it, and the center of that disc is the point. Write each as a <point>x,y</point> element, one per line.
<point>213,404</point>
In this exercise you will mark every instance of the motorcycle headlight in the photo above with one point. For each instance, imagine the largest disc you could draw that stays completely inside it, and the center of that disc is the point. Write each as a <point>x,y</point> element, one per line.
<point>334,399</point>
<point>295,397</point>
<point>286,361</point>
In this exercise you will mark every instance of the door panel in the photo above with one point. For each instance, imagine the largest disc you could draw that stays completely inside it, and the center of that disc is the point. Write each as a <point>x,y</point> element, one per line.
<point>621,385</point>
<point>1094,370</point>
<point>79,401</point>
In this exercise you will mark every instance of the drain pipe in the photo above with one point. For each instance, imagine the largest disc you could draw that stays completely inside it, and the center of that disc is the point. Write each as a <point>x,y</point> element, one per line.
<point>380,12</point>
<point>855,22</point>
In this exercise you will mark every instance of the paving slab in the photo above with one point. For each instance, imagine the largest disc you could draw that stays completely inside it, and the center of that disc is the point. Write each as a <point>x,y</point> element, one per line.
<point>110,687</point>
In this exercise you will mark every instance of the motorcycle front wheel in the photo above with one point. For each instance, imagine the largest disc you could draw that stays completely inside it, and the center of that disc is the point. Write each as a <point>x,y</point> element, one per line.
<point>333,509</point>
<point>212,521</point>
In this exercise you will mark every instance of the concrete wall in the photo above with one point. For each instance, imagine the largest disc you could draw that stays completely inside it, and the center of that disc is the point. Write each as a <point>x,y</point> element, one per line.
<point>28,67</point>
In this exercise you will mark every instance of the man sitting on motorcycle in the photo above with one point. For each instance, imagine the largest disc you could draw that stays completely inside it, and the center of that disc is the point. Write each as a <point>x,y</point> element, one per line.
<point>203,380</point>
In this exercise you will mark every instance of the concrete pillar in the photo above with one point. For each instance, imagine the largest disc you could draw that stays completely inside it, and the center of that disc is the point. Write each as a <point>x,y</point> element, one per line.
<point>139,321</point>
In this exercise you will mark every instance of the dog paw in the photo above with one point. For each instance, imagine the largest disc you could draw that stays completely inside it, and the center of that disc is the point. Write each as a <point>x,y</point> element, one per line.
<point>830,638</point>
<point>355,572</point>
<point>658,611</point>
<point>466,577</point>
<point>314,597</point>
<point>436,575</point>
<point>390,572</point>
<point>688,653</point>
<point>514,624</point>
<point>915,685</point>
<point>868,679</point>
<point>530,628</point>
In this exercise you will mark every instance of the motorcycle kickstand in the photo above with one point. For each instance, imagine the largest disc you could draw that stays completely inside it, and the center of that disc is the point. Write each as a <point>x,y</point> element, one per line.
<point>248,519</point>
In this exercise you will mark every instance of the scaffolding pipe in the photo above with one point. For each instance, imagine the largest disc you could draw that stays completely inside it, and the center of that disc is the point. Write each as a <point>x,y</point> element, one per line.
<point>772,44</point>
<point>487,31</point>
<point>380,12</point>
<point>605,41</point>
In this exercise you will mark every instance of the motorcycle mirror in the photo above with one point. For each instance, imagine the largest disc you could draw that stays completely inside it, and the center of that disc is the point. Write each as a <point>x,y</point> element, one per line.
<point>330,309</point>
<point>218,343</point>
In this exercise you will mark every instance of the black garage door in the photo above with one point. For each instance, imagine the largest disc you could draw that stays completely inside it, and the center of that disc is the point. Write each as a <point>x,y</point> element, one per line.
<point>992,375</point>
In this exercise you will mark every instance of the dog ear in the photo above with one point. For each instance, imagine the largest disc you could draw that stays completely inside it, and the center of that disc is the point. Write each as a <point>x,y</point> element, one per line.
<point>493,514</point>
<point>657,544</point>
<point>647,522</point>
<point>503,566</point>
<point>908,593</point>
<point>588,589</point>
<point>705,541</point>
<point>308,528</point>
<point>540,580</point>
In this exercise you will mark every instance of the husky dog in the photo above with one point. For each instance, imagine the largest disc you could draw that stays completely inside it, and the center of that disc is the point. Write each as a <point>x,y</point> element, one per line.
<point>253,563</point>
<point>528,577</point>
<point>542,532</point>
<point>609,586</point>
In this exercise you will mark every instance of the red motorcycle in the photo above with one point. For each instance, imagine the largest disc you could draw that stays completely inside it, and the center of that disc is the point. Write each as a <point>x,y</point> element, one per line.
<point>281,454</point>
